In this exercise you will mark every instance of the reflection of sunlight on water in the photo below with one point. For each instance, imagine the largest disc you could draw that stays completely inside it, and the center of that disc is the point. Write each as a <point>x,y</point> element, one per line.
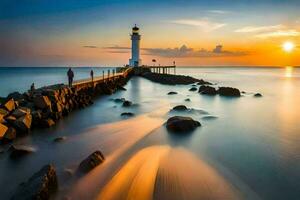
<point>161,172</point>
<point>288,72</point>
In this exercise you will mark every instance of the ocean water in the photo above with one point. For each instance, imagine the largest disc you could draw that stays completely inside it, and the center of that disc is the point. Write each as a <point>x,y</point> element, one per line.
<point>246,148</point>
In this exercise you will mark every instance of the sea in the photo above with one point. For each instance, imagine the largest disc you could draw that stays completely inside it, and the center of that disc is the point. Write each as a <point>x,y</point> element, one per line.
<point>246,147</point>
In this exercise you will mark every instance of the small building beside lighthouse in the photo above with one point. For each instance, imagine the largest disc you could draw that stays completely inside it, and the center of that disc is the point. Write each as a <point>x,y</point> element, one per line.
<point>135,60</point>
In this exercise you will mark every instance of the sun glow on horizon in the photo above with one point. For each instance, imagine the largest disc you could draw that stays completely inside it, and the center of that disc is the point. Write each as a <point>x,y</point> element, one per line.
<point>288,46</point>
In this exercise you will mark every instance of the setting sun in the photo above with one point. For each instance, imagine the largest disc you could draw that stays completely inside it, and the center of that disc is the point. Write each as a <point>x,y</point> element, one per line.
<point>288,46</point>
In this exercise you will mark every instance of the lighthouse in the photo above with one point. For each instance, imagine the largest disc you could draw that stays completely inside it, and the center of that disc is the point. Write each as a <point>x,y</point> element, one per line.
<point>135,60</point>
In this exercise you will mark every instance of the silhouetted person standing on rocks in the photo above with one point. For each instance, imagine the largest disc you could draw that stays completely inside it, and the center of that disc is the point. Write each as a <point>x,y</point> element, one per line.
<point>92,75</point>
<point>70,76</point>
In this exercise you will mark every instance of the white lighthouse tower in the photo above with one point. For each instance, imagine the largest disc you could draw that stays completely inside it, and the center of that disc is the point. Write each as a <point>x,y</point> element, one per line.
<point>135,60</point>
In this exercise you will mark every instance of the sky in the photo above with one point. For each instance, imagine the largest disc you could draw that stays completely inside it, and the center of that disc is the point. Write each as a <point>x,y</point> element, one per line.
<point>190,32</point>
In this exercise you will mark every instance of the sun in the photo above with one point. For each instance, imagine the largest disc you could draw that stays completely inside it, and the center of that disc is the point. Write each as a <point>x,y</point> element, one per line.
<point>288,46</point>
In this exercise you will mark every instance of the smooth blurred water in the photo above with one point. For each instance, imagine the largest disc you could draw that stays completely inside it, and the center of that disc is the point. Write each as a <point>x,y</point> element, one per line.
<point>250,150</point>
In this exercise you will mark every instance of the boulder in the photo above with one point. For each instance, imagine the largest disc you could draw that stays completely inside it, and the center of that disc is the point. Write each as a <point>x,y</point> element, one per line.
<point>193,89</point>
<point>182,124</point>
<point>127,114</point>
<point>257,95</point>
<point>172,93</point>
<point>9,105</point>
<point>127,103</point>
<point>202,82</point>
<point>23,123</point>
<point>20,112</point>
<point>91,162</point>
<point>3,130</point>
<point>180,108</point>
<point>16,96</point>
<point>207,90</point>
<point>10,119</point>
<point>3,112</point>
<point>188,99</point>
<point>10,134</point>
<point>229,92</point>
<point>18,151</point>
<point>42,102</point>
<point>39,186</point>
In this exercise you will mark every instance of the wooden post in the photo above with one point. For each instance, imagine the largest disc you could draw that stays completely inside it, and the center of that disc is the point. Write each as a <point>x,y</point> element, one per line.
<point>108,74</point>
<point>103,75</point>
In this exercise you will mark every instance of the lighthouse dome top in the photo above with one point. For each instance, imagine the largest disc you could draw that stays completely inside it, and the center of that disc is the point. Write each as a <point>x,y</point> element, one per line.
<point>135,28</point>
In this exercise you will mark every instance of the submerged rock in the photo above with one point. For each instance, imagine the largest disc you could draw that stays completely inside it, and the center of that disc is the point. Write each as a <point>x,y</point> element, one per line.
<point>193,89</point>
<point>18,151</point>
<point>91,162</point>
<point>172,93</point>
<point>46,123</point>
<point>127,103</point>
<point>207,90</point>
<point>257,95</point>
<point>119,100</point>
<point>182,124</point>
<point>60,139</point>
<point>127,114</point>
<point>188,99</point>
<point>180,108</point>
<point>229,92</point>
<point>40,186</point>
<point>209,117</point>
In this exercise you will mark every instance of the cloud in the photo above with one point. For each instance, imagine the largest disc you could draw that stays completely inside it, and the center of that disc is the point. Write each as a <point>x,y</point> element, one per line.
<point>204,24</point>
<point>221,12</point>
<point>90,46</point>
<point>180,52</point>
<point>184,51</point>
<point>279,33</point>
<point>251,29</point>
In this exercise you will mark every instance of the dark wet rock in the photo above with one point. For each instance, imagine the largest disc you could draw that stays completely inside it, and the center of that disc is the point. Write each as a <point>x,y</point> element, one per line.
<point>170,79</point>
<point>40,186</point>
<point>180,108</point>
<point>172,93</point>
<point>202,82</point>
<point>10,134</point>
<point>42,102</point>
<point>46,123</point>
<point>243,92</point>
<point>257,95</point>
<point>209,117</point>
<point>207,90</point>
<point>20,112</point>
<point>121,88</point>
<point>182,124</point>
<point>187,99</point>
<point>16,96</point>
<point>9,105</point>
<point>127,103</point>
<point>10,119</point>
<point>23,124</point>
<point>127,114</point>
<point>91,162</point>
<point>60,139</point>
<point>193,89</point>
<point>18,151</point>
<point>229,92</point>
<point>119,100</point>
